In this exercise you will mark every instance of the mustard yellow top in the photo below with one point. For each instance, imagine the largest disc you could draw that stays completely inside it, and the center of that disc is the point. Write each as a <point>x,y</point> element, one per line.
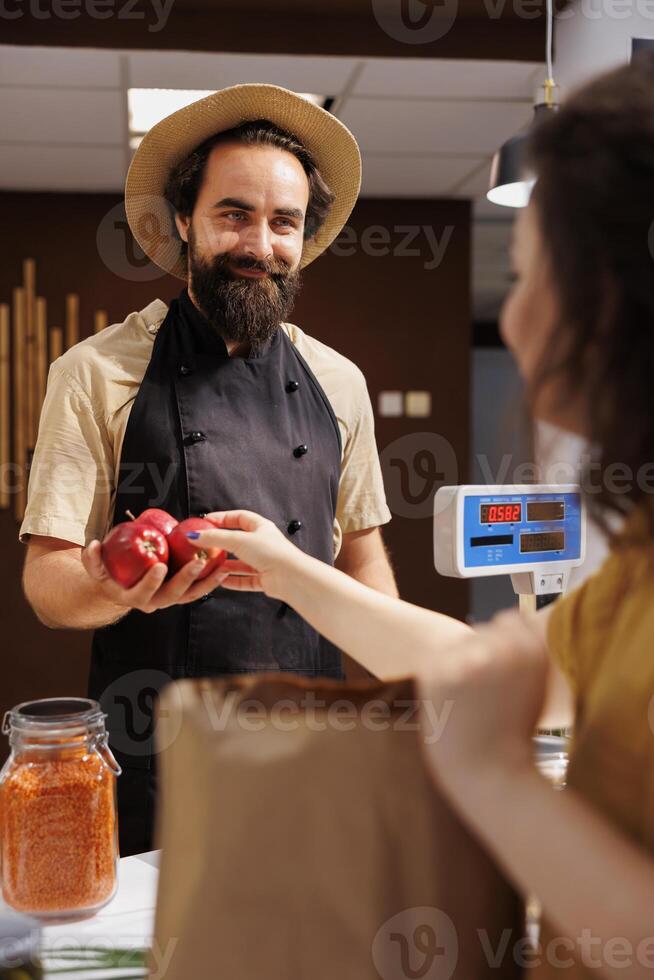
<point>602,636</point>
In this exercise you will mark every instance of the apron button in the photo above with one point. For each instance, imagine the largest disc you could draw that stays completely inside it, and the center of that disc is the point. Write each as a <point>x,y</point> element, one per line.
<point>294,527</point>
<point>292,386</point>
<point>184,369</point>
<point>300,451</point>
<point>197,437</point>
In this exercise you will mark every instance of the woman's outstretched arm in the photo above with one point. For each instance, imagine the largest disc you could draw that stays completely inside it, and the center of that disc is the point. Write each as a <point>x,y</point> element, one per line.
<point>389,637</point>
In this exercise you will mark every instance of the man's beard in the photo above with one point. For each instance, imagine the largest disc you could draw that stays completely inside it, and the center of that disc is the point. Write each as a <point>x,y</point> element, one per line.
<point>242,308</point>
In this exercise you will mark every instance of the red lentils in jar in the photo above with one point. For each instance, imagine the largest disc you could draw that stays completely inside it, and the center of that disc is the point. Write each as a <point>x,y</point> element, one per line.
<point>58,824</point>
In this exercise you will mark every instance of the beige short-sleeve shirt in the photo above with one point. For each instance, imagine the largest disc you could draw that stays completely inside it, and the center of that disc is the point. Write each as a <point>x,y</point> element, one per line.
<point>90,392</point>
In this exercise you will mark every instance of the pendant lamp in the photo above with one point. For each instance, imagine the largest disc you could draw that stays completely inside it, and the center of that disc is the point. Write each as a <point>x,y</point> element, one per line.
<point>510,183</point>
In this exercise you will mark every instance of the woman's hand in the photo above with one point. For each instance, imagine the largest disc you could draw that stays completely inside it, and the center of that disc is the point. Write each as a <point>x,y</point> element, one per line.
<point>488,696</point>
<point>264,555</point>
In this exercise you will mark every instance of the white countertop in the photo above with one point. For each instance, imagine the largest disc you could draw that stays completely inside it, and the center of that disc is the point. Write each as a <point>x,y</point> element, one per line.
<point>126,922</point>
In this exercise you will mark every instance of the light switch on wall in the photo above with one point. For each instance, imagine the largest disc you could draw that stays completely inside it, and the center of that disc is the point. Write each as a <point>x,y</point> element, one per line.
<point>390,404</point>
<point>418,404</point>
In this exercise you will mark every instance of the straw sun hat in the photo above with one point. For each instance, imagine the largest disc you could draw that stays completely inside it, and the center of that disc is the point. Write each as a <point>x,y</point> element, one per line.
<point>330,143</point>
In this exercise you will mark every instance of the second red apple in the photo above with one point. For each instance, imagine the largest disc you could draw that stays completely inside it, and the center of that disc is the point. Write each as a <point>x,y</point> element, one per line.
<point>183,551</point>
<point>161,519</point>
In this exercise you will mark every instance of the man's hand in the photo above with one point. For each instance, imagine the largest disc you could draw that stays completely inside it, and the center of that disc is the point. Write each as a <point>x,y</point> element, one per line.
<point>151,593</point>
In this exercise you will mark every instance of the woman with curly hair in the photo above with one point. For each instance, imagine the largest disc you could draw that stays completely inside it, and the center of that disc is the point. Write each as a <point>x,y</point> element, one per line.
<point>580,322</point>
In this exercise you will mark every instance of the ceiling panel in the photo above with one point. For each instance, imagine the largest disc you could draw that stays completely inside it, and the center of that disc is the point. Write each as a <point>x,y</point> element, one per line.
<point>417,139</point>
<point>57,168</point>
<point>183,69</point>
<point>58,66</point>
<point>51,115</point>
<point>443,79</point>
<point>414,176</point>
<point>434,127</point>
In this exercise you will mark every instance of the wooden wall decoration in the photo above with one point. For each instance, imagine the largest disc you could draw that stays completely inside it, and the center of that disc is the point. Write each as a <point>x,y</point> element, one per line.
<point>28,346</point>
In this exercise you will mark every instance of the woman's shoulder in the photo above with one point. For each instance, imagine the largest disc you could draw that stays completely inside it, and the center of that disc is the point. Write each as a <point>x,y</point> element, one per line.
<point>607,614</point>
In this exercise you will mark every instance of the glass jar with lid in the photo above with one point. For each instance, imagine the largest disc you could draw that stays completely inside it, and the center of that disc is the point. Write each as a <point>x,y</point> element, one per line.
<point>58,822</point>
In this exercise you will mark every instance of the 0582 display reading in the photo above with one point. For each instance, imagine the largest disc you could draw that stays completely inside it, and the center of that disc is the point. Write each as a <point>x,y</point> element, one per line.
<point>500,513</point>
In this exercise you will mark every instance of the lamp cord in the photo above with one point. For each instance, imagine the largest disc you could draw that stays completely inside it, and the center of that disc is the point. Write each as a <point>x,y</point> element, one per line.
<point>550,33</point>
<point>550,85</point>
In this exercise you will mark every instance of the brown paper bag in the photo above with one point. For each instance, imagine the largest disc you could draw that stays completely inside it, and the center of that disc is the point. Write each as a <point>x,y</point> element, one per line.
<point>303,839</point>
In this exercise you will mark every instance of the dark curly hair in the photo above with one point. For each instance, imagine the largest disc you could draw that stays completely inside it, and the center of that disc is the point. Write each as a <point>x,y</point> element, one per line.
<point>594,198</point>
<point>185,179</point>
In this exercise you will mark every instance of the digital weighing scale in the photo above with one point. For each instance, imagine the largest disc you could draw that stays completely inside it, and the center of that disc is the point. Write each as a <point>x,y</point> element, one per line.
<point>534,533</point>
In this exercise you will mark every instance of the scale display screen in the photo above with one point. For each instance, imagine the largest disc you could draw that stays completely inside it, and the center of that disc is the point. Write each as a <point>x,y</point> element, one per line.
<point>533,543</point>
<point>535,533</point>
<point>518,529</point>
<point>545,510</point>
<point>500,513</point>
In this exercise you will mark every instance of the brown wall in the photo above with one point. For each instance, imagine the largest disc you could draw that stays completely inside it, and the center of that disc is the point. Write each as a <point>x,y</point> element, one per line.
<point>465,28</point>
<point>406,326</point>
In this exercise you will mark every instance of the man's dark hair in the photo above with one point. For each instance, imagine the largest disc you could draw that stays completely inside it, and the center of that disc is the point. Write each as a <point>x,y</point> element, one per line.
<point>594,162</point>
<point>185,179</point>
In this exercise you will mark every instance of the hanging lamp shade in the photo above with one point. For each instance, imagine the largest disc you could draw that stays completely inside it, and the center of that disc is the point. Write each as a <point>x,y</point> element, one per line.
<point>510,181</point>
<point>508,185</point>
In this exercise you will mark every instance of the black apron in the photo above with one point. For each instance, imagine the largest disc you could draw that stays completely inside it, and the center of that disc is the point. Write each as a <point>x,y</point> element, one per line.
<point>212,432</point>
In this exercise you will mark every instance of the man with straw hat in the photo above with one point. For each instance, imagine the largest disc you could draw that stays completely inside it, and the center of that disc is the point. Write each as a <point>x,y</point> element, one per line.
<point>213,403</point>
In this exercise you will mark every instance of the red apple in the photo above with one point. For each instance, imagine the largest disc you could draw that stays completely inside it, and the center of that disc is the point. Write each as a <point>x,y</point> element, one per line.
<point>183,551</point>
<point>160,519</point>
<point>130,549</point>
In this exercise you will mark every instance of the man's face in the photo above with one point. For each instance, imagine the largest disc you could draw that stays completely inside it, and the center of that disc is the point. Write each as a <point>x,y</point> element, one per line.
<point>246,237</point>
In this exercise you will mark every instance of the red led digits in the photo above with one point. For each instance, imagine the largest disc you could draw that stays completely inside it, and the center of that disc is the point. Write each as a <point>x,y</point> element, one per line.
<point>500,513</point>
